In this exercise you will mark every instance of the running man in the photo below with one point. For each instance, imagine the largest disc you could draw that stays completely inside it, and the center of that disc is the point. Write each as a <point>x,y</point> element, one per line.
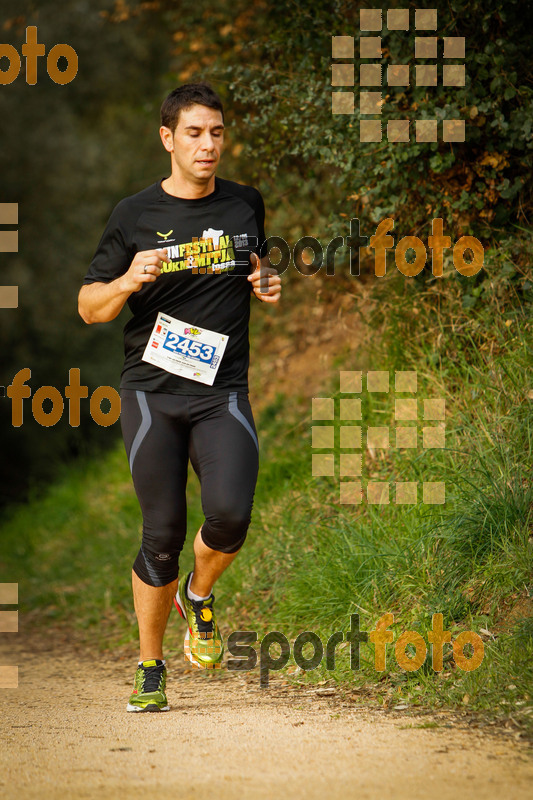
<point>184,254</point>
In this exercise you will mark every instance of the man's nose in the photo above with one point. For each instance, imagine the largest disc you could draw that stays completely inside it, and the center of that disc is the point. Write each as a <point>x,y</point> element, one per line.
<point>208,143</point>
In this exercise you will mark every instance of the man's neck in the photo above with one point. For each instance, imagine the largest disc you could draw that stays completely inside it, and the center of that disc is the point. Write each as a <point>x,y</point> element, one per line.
<point>187,190</point>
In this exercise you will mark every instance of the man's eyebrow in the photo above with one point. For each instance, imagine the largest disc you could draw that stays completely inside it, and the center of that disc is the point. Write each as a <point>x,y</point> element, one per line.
<point>199,128</point>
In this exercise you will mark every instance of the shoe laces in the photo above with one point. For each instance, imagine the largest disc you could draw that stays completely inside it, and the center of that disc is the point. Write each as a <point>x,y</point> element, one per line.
<point>152,677</point>
<point>204,614</point>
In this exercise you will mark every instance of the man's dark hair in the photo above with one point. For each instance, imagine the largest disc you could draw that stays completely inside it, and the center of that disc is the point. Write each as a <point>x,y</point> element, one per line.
<point>186,96</point>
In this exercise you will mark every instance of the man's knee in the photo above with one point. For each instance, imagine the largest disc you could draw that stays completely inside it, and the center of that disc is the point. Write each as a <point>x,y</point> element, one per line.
<point>157,561</point>
<point>225,530</point>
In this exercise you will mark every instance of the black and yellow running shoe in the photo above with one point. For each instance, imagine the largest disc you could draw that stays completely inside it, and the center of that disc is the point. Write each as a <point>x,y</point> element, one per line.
<point>149,687</point>
<point>203,645</point>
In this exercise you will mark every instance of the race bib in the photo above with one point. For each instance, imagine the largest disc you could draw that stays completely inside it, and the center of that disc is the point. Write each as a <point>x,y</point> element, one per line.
<point>184,349</point>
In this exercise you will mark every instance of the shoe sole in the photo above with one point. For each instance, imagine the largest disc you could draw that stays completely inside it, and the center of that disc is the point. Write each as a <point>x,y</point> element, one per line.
<point>177,603</point>
<point>150,707</point>
<point>186,647</point>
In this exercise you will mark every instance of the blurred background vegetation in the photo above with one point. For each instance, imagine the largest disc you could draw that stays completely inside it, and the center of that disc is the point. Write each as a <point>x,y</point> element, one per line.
<point>70,153</point>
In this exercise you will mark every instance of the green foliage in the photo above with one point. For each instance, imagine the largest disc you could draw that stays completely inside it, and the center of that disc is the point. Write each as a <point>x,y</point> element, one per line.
<point>481,182</point>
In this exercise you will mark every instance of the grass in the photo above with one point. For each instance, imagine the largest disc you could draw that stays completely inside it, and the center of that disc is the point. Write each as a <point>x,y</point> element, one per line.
<point>311,562</point>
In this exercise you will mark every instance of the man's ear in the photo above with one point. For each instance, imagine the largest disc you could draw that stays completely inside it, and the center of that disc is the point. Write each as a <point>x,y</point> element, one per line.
<point>167,138</point>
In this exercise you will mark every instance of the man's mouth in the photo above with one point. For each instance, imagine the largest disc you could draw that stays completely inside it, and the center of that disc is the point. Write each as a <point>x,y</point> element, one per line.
<point>206,161</point>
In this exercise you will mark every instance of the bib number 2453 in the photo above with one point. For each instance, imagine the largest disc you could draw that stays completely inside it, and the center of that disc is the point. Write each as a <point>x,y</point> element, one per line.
<point>188,347</point>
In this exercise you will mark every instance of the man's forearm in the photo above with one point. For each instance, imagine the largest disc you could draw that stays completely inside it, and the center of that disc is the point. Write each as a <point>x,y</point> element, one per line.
<point>102,302</point>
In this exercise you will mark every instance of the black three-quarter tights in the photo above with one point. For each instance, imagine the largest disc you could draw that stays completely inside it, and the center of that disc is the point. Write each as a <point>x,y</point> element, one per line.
<point>161,433</point>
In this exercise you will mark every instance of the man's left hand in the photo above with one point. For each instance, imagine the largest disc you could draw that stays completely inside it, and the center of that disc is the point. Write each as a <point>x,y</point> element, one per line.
<point>266,283</point>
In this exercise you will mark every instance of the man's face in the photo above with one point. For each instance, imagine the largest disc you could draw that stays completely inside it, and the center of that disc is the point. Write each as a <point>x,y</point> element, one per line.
<point>197,142</point>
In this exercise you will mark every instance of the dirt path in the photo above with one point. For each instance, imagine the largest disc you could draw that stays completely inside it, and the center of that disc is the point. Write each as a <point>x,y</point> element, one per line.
<point>66,734</point>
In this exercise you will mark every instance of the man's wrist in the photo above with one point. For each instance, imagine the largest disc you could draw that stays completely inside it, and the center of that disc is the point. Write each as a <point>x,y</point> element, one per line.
<point>120,284</point>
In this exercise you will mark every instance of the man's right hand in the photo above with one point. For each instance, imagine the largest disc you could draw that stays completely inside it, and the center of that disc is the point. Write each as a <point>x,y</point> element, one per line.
<point>145,268</point>
<point>102,302</point>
